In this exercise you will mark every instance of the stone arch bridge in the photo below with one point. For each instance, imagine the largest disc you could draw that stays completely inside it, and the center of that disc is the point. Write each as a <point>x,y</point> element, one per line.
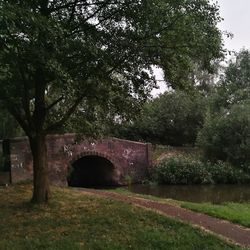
<point>73,162</point>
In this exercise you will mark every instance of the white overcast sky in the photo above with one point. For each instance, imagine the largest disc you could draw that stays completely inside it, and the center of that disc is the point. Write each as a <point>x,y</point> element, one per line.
<point>236,15</point>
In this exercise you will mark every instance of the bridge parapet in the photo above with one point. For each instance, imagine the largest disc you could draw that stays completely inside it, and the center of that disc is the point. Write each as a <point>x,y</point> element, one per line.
<point>130,159</point>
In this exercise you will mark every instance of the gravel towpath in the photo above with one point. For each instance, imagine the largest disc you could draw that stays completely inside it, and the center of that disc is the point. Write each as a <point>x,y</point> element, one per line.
<point>226,229</point>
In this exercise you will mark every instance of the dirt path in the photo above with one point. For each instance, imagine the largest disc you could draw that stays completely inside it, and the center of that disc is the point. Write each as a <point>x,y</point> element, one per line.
<point>228,230</point>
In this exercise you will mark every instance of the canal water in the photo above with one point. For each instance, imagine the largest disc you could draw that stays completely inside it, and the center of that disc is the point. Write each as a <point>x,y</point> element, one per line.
<point>196,193</point>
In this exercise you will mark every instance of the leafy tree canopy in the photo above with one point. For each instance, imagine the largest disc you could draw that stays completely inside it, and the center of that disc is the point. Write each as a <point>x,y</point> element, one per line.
<point>226,136</point>
<point>173,118</point>
<point>234,86</point>
<point>9,128</point>
<point>58,54</point>
<point>68,52</point>
<point>226,131</point>
<point>237,74</point>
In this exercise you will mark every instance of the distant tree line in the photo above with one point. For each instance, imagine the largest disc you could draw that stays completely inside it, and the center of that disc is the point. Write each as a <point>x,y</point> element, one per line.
<point>215,118</point>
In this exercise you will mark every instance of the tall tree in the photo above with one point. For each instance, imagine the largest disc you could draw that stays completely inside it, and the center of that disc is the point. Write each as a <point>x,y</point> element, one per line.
<point>58,54</point>
<point>173,118</point>
<point>8,126</point>
<point>226,132</point>
<point>234,85</point>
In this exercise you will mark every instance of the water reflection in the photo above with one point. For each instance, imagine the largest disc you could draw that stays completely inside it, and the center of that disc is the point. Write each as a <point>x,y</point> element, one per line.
<point>197,193</point>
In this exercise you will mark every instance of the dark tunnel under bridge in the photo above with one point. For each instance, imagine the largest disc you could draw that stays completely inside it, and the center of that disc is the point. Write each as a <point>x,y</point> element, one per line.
<point>92,171</point>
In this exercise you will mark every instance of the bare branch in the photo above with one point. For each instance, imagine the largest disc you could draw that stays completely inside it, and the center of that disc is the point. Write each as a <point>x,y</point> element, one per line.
<point>67,115</point>
<point>54,103</point>
<point>80,3</point>
<point>73,10</point>
<point>18,116</point>
<point>77,30</point>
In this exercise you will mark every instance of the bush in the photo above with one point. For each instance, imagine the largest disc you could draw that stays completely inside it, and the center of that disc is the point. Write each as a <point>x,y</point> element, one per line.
<point>188,170</point>
<point>226,136</point>
<point>224,173</point>
<point>181,170</point>
<point>173,118</point>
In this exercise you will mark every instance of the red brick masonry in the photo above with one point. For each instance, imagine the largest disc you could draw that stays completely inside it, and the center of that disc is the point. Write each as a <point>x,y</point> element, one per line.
<point>129,158</point>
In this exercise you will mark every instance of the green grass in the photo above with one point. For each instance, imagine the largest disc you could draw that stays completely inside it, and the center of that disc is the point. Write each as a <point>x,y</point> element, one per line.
<point>73,220</point>
<point>162,151</point>
<point>235,212</point>
<point>125,191</point>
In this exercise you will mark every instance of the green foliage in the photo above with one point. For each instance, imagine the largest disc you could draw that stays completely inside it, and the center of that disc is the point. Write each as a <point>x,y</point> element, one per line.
<point>224,173</point>
<point>162,151</point>
<point>180,170</point>
<point>226,136</point>
<point>195,43</point>
<point>128,180</point>
<point>159,150</point>
<point>57,56</point>
<point>9,128</point>
<point>226,131</point>
<point>173,118</point>
<point>93,57</point>
<point>234,86</point>
<point>188,170</point>
<point>237,75</point>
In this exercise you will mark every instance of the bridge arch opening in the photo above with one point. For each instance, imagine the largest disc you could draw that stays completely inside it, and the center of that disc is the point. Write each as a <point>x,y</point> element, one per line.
<point>92,171</point>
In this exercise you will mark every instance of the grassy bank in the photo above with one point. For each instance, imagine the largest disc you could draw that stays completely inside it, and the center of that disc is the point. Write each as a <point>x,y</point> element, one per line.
<point>73,220</point>
<point>235,212</point>
<point>163,151</point>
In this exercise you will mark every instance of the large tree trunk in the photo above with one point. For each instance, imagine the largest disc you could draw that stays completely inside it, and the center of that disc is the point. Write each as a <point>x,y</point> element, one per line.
<point>41,190</point>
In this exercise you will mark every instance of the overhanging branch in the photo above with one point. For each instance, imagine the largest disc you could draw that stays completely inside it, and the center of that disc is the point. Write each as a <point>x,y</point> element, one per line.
<point>54,103</point>
<point>18,116</point>
<point>67,115</point>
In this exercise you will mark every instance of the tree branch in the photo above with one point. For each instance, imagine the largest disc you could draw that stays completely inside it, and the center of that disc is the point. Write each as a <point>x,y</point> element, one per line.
<point>40,110</point>
<point>18,116</point>
<point>73,11</point>
<point>70,4</point>
<point>70,111</point>
<point>54,103</point>
<point>25,97</point>
<point>76,29</point>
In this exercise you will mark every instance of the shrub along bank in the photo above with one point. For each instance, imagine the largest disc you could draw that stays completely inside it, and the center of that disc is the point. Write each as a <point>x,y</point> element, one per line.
<point>189,170</point>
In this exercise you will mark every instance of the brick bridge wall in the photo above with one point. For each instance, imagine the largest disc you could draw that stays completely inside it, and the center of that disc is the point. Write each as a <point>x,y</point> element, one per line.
<point>4,173</point>
<point>129,158</point>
